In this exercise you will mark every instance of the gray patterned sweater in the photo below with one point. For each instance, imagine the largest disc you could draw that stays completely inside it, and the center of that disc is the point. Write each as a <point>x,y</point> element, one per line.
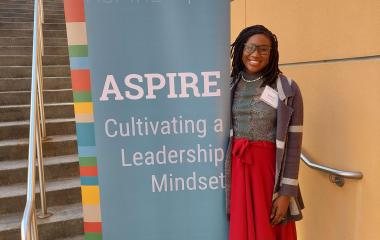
<point>288,146</point>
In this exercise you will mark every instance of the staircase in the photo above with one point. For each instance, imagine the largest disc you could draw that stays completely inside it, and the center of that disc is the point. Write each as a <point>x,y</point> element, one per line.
<point>60,149</point>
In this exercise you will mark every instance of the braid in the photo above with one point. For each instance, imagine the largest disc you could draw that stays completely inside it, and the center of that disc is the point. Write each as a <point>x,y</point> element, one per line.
<point>271,70</point>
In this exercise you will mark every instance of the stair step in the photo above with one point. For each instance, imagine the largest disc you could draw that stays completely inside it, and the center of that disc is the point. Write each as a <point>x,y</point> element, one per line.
<point>30,19</point>
<point>20,129</point>
<point>23,97</point>
<point>28,41</point>
<point>16,60</point>
<point>48,17</point>
<point>23,84</point>
<point>31,1</point>
<point>66,221</point>
<point>26,60</point>
<point>16,25</point>
<point>58,192</point>
<point>54,26</point>
<point>60,167</point>
<point>28,50</point>
<point>30,11</point>
<point>26,71</point>
<point>30,6</point>
<point>29,25</point>
<point>21,112</point>
<point>29,33</point>
<point>79,237</point>
<point>55,146</point>
<point>45,2</point>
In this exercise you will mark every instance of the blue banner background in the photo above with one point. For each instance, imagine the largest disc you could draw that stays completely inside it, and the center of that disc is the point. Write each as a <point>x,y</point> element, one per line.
<point>158,36</point>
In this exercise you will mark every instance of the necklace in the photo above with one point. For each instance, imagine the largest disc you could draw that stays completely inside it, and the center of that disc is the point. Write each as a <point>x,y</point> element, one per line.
<point>253,80</point>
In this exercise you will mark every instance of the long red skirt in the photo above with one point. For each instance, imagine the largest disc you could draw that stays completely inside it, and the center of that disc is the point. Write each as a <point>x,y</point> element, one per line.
<point>252,182</point>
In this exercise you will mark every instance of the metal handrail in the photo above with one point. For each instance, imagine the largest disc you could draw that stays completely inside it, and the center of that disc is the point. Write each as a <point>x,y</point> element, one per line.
<point>336,176</point>
<point>36,133</point>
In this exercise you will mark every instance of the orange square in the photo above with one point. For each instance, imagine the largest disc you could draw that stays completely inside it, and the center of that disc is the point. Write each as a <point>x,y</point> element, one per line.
<point>74,11</point>
<point>80,80</point>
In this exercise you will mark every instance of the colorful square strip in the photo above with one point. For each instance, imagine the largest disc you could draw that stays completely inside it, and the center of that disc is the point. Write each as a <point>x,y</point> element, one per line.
<point>83,108</point>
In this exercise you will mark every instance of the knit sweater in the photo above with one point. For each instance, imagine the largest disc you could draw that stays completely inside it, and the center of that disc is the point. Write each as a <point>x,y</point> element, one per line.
<point>289,127</point>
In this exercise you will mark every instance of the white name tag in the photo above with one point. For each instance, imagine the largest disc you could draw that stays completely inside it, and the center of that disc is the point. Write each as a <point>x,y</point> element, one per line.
<point>270,96</point>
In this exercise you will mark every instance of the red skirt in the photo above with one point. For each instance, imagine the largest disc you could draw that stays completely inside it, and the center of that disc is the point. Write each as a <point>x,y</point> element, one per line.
<point>252,182</point>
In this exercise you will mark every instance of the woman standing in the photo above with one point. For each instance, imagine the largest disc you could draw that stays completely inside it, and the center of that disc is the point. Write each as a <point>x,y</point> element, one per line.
<point>263,198</point>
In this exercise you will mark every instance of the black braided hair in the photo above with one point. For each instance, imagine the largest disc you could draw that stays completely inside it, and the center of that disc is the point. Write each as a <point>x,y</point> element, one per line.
<point>271,70</point>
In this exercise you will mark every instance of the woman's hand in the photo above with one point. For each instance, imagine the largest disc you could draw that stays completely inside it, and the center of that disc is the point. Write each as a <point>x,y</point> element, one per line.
<point>279,209</point>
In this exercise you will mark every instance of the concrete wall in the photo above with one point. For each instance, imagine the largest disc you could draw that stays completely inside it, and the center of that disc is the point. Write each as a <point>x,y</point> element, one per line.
<point>332,50</point>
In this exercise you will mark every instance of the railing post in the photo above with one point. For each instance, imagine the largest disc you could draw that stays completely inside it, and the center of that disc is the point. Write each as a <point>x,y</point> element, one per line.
<point>40,52</point>
<point>34,227</point>
<point>41,99</point>
<point>41,172</point>
<point>41,29</point>
<point>42,11</point>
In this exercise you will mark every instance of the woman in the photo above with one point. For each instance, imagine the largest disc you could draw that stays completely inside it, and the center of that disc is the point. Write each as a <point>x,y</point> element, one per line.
<point>263,198</point>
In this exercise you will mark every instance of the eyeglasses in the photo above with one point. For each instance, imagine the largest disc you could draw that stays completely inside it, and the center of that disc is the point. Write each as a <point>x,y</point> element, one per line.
<point>261,49</point>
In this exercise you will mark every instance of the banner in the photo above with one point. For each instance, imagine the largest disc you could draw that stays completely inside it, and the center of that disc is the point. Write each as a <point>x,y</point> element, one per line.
<point>151,89</point>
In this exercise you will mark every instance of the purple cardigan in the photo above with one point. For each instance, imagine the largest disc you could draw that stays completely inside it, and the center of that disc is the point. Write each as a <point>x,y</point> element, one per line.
<point>288,146</point>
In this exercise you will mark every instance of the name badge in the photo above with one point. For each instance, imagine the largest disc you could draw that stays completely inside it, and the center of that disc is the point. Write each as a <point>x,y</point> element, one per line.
<point>270,96</point>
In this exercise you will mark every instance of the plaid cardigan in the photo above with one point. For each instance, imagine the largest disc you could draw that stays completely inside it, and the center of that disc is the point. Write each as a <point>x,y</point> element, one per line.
<point>288,146</point>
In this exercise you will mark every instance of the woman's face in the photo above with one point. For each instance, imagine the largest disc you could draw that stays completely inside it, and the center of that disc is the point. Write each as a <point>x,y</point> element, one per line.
<point>256,53</point>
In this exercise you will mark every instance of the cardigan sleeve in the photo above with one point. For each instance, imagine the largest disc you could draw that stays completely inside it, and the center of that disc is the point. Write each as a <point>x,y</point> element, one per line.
<point>289,180</point>
<point>227,173</point>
